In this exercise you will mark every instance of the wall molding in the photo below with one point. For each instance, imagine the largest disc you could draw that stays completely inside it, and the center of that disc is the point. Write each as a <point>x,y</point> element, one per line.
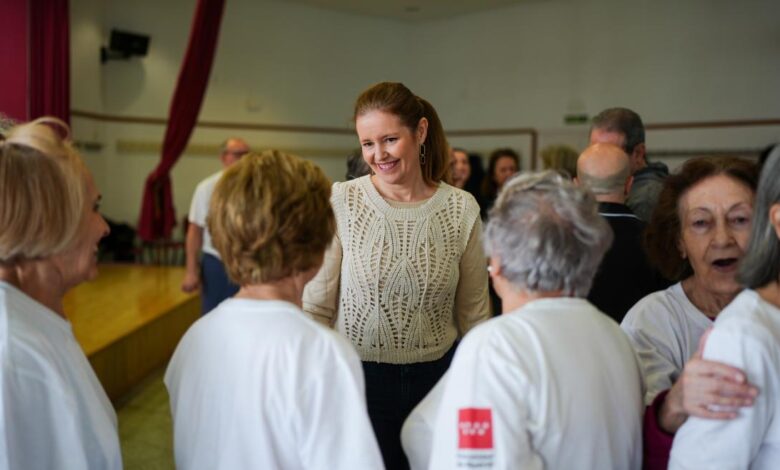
<point>133,146</point>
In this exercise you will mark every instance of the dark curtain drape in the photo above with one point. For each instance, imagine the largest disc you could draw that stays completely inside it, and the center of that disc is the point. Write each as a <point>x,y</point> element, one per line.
<point>158,215</point>
<point>13,59</point>
<point>49,55</point>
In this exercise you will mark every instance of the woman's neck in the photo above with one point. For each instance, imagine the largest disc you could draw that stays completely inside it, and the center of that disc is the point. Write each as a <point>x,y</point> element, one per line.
<point>519,298</point>
<point>415,191</point>
<point>38,279</point>
<point>708,302</point>
<point>288,289</point>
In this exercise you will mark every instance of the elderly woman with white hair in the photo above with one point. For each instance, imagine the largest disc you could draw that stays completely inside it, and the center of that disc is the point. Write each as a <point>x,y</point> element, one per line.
<point>553,382</point>
<point>54,414</point>
<point>746,336</point>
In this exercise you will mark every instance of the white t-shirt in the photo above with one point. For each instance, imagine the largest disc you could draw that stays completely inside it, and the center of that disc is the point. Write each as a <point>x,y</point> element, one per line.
<point>746,336</point>
<point>554,384</point>
<point>664,329</point>
<point>199,209</point>
<point>258,384</point>
<point>417,431</point>
<point>54,414</point>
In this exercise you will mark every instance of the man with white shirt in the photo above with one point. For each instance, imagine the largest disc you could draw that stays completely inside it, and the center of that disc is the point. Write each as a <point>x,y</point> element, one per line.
<point>208,275</point>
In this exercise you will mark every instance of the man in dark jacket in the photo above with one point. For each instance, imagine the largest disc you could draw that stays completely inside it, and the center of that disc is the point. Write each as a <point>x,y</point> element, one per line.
<point>624,275</point>
<point>624,128</point>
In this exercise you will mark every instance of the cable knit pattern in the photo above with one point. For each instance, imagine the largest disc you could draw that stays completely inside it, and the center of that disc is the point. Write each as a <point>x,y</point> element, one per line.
<point>400,271</point>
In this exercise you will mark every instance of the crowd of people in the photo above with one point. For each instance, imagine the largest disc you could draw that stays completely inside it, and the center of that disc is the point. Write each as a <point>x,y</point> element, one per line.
<point>348,326</point>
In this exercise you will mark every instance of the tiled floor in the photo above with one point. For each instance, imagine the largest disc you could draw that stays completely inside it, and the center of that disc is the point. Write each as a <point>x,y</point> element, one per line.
<point>145,428</point>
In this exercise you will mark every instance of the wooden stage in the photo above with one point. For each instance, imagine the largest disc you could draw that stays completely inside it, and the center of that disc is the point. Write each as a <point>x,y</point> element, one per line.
<point>129,320</point>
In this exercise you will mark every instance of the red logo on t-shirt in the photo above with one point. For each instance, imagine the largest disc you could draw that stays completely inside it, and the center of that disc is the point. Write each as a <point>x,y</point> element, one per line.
<point>475,428</point>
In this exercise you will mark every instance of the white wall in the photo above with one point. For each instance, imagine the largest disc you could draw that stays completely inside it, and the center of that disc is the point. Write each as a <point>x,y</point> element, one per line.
<point>522,66</point>
<point>276,64</point>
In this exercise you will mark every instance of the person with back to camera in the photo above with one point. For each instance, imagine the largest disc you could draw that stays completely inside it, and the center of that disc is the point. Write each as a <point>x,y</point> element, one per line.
<point>405,275</point>
<point>552,383</point>
<point>697,235</point>
<point>54,414</point>
<point>256,383</point>
<point>625,275</point>
<point>747,336</point>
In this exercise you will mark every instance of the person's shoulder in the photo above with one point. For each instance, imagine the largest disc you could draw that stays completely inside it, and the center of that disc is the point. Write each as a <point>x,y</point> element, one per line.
<point>656,307</point>
<point>319,338</point>
<point>500,332</point>
<point>207,185</point>
<point>460,194</point>
<point>342,189</point>
<point>746,335</point>
<point>461,198</point>
<point>749,315</point>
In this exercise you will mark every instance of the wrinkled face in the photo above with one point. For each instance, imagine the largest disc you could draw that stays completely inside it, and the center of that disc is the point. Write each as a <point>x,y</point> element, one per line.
<point>391,149</point>
<point>715,218</point>
<point>79,262</point>
<point>461,169</point>
<point>505,169</point>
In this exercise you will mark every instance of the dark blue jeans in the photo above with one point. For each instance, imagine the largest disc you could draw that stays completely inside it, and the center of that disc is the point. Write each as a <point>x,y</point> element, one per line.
<point>216,286</point>
<point>392,392</point>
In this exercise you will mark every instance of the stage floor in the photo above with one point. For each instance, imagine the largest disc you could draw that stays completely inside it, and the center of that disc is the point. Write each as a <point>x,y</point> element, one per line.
<point>129,320</point>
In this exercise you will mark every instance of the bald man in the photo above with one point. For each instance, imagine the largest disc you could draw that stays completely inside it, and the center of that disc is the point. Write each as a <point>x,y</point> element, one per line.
<point>209,275</point>
<point>624,275</point>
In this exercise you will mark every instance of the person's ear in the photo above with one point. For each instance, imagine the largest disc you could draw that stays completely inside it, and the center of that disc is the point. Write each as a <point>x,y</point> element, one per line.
<point>494,266</point>
<point>422,130</point>
<point>774,218</point>
<point>640,152</point>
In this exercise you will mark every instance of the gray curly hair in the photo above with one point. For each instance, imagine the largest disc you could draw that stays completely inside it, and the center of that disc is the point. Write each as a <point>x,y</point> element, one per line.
<point>548,234</point>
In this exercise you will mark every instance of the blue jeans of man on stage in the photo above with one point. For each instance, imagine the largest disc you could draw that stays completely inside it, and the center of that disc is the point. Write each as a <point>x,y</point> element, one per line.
<point>216,286</point>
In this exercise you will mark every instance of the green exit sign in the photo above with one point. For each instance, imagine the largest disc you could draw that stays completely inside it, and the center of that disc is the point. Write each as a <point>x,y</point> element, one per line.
<point>575,119</point>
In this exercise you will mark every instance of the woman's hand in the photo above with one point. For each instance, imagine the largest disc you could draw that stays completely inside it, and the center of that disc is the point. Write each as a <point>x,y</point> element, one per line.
<point>706,389</point>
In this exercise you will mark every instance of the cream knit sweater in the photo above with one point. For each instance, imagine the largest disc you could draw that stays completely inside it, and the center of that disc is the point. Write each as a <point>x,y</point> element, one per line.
<point>401,280</point>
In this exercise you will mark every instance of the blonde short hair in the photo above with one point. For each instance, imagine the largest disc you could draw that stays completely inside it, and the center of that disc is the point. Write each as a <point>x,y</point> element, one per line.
<point>270,217</point>
<point>42,190</point>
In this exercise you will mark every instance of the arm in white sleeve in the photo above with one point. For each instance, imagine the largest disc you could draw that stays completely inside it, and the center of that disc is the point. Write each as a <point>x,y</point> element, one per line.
<point>731,444</point>
<point>333,425</point>
<point>484,414</point>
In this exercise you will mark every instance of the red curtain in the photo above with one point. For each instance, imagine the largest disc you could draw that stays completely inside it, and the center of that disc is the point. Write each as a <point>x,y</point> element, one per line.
<point>13,59</point>
<point>49,92</point>
<point>158,216</point>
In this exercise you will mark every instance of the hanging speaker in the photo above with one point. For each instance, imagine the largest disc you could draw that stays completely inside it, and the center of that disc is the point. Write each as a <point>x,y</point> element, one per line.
<point>123,45</point>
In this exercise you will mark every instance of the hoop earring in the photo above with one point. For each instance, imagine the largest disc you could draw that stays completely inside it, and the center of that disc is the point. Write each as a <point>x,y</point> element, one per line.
<point>422,154</point>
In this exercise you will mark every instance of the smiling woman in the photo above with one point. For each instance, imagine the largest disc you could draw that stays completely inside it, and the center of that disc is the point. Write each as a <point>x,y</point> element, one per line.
<point>405,275</point>
<point>697,235</point>
<point>56,414</point>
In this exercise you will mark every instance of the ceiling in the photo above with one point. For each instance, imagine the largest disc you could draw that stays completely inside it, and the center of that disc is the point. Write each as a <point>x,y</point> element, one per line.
<point>410,10</point>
